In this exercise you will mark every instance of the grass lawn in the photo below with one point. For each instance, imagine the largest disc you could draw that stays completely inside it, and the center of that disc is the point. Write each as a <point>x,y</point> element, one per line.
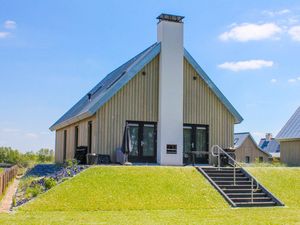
<point>156,195</point>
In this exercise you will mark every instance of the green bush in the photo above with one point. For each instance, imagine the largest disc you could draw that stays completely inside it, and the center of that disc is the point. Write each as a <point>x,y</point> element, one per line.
<point>33,191</point>
<point>14,201</point>
<point>70,163</point>
<point>50,183</point>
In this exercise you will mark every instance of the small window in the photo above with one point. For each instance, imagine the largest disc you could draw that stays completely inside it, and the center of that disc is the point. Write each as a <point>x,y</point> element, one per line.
<point>65,146</point>
<point>76,137</point>
<point>90,133</point>
<point>260,159</point>
<point>247,159</point>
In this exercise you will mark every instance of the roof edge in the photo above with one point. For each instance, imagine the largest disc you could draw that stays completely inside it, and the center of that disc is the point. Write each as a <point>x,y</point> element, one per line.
<point>70,121</point>
<point>150,55</point>
<point>124,80</point>
<point>210,83</point>
<point>251,137</point>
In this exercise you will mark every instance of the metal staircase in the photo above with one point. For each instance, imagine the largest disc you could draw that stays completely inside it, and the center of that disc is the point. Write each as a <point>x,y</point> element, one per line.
<point>235,184</point>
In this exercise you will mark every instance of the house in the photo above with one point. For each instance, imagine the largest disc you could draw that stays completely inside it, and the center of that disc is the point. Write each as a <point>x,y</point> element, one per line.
<point>246,149</point>
<point>289,139</point>
<point>270,145</point>
<point>161,98</point>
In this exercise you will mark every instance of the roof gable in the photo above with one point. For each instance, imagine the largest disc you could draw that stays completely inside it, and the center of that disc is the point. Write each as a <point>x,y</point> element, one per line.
<point>240,138</point>
<point>114,81</point>
<point>291,129</point>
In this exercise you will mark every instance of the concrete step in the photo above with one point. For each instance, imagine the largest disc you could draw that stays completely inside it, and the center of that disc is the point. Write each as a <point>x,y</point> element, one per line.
<point>239,191</point>
<point>223,171</point>
<point>255,199</point>
<point>212,175</point>
<point>256,204</point>
<point>239,186</point>
<point>246,195</point>
<point>229,179</point>
<point>231,182</point>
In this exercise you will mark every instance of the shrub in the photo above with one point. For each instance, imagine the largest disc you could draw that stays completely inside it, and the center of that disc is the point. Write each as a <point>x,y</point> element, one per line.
<point>33,191</point>
<point>50,183</point>
<point>70,163</point>
<point>14,201</point>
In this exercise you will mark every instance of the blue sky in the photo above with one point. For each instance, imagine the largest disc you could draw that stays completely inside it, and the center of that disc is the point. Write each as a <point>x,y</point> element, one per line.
<point>54,52</point>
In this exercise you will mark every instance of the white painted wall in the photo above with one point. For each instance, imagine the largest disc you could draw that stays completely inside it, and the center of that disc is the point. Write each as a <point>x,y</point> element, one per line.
<point>170,123</point>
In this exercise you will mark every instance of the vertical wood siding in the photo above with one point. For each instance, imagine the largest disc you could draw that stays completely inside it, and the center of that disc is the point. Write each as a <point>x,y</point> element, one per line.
<point>202,106</point>
<point>82,138</point>
<point>137,100</point>
<point>290,152</point>
<point>248,148</point>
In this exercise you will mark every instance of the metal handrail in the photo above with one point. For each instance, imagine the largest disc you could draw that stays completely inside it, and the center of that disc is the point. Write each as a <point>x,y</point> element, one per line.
<point>235,163</point>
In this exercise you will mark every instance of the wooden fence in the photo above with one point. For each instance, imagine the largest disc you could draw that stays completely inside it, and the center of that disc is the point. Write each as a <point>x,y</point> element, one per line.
<point>6,176</point>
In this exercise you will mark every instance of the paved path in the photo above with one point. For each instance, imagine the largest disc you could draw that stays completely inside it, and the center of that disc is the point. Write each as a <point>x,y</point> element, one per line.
<point>6,202</point>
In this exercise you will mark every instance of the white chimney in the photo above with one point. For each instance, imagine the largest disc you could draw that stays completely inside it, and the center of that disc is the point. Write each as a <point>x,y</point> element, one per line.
<point>170,122</point>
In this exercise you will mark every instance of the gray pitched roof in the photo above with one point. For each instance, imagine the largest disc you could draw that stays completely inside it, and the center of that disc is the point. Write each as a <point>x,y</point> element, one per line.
<point>239,139</point>
<point>114,81</point>
<point>291,129</point>
<point>270,146</point>
<point>105,89</point>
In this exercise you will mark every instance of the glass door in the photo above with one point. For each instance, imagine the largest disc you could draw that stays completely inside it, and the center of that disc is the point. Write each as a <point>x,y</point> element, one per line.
<point>201,142</point>
<point>142,141</point>
<point>195,144</point>
<point>187,144</point>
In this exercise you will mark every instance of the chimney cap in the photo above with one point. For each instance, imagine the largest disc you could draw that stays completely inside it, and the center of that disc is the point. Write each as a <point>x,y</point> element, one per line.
<point>170,17</point>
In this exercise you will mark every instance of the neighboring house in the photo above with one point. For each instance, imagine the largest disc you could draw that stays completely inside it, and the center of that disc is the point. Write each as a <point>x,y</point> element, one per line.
<point>270,145</point>
<point>167,103</point>
<point>246,149</point>
<point>289,138</point>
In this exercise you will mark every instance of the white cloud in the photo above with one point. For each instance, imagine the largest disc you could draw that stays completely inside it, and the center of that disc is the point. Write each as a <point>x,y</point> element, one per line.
<point>246,65</point>
<point>251,32</point>
<point>4,34</point>
<point>273,80</point>
<point>294,32</point>
<point>259,134</point>
<point>10,24</point>
<point>10,130</point>
<point>31,135</point>
<point>292,80</point>
<point>276,13</point>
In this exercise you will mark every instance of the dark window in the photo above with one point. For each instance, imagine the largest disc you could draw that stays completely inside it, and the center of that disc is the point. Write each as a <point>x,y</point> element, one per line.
<point>90,132</point>
<point>76,136</point>
<point>261,159</point>
<point>247,159</point>
<point>65,146</point>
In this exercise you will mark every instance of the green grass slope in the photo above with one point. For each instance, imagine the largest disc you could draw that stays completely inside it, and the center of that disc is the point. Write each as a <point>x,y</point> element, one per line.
<point>156,195</point>
<point>130,188</point>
